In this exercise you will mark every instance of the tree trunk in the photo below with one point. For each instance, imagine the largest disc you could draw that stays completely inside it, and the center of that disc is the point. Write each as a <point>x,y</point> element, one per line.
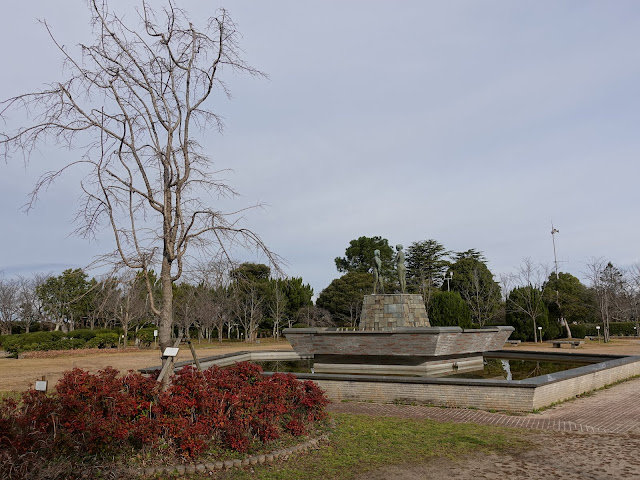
<point>566,325</point>
<point>166,318</point>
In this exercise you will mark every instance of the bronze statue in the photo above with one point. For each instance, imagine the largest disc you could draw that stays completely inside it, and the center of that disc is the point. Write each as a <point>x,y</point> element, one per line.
<point>402,270</point>
<point>377,272</point>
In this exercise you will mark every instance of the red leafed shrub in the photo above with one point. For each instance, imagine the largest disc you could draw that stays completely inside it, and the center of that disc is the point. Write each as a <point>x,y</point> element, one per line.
<point>99,412</point>
<point>230,407</point>
<point>234,406</point>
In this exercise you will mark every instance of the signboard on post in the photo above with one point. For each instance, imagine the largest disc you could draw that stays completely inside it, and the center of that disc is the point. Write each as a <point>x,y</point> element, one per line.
<point>170,352</point>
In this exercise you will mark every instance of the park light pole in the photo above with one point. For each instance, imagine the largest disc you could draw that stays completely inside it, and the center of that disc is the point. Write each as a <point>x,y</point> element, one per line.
<point>540,333</point>
<point>448,279</point>
<point>598,329</point>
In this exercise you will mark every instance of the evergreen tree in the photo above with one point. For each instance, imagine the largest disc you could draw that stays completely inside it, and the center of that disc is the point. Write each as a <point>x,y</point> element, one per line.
<point>344,296</point>
<point>359,256</point>
<point>426,266</point>
<point>449,309</point>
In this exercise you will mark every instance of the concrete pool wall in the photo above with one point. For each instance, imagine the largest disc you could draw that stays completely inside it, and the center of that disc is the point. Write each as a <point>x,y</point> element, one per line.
<point>514,395</point>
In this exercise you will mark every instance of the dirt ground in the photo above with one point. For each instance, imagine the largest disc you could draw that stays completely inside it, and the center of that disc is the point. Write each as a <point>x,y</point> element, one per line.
<point>553,456</point>
<point>617,346</point>
<point>21,374</point>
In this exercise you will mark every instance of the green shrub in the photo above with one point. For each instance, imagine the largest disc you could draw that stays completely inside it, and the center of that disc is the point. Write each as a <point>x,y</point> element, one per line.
<point>617,329</point>
<point>15,344</point>
<point>84,333</point>
<point>70,344</point>
<point>145,335</point>
<point>622,329</point>
<point>103,340</point>
<point>578,331</point>
<point>449,309</point>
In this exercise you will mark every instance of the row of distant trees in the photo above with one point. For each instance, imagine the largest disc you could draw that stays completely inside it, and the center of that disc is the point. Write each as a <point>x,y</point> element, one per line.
<point>220,301</point>
<point>458,288</point>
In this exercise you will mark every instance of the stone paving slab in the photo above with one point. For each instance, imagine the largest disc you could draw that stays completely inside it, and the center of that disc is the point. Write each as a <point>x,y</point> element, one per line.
<point>612,410</point>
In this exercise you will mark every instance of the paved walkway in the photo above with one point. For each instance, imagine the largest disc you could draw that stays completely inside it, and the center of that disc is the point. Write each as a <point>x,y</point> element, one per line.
<point>613,410</point>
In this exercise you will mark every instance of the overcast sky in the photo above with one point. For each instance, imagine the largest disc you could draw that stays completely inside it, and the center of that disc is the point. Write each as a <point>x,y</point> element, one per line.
<point>475,123</point>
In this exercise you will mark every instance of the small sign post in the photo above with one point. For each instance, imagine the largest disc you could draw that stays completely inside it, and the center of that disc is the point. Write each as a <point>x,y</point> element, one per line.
<point>155,338</point>
<point>171,352</point>
<point>41,385</point>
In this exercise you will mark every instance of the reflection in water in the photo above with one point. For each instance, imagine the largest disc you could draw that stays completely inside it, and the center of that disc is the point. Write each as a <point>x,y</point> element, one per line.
<point>507,368</point>
<point>494,368</point>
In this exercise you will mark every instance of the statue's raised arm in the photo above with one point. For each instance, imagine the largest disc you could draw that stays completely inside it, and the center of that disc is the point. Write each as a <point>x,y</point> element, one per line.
<point>402,270</point>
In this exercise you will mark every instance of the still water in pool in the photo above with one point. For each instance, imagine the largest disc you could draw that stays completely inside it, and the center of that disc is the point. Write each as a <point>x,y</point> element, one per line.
<point>494,368</point>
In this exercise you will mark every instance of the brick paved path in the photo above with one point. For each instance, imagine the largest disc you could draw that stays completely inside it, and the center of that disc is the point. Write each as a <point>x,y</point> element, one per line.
<point>614,410</point>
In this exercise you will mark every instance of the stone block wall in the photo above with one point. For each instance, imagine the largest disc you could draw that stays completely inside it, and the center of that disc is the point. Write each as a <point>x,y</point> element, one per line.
<point>426,341</point>
<point>570,388</point>
<point>381,312</point>
<point>515,396</point>
<point>451,395</point>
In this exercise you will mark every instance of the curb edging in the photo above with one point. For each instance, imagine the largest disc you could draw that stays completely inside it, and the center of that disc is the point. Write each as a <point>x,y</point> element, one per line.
<point>229,464</point>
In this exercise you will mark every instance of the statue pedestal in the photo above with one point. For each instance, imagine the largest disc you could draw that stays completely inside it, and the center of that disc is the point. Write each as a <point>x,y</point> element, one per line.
<point>384,312</point>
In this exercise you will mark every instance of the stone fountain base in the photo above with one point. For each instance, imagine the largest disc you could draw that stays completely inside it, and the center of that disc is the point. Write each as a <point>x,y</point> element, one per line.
<point>411,342</point>
<point>382,312</point>
<point>422,351</point>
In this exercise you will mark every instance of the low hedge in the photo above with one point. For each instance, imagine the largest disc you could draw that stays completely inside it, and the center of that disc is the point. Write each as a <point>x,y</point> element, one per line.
<point>104,340</point>
<point>617,329</point>
<point>229,408</point>
<point>58,340</point>
<point>578,331</point>
<point>145,335</point>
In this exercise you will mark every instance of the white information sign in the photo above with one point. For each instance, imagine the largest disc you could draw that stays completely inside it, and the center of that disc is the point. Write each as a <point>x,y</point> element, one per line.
<point>41,385</point>
<point>170,352</point>
<point>155,333</point>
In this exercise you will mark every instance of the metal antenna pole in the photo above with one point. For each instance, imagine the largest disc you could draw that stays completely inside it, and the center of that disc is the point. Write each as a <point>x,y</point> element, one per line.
<point>553,239</point>
<point>555,261</point>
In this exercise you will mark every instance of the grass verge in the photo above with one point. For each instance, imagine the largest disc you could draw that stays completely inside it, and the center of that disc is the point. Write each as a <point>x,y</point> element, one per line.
<point>362,443</point>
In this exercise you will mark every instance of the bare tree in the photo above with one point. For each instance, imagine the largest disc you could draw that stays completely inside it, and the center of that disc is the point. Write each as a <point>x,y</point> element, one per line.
<point>530,282</point>
<point>314,317</point>
<point>214,304</point>
<point>132,105</point>
<point>30,307</point>
<point>131,308</point>
<point>607,283</point>
<point>184,307</point>
<point>632,291</point>
<point>9,304</point>
<point>220,307</point>
<point>248,308</point>
<point>105,303</point>
<point>355,312</point>
<point>277,306</point>
<point>481,296</point>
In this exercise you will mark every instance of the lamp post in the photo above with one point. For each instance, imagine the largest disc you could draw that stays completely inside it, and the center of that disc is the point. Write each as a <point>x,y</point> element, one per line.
<point>598,329</point>
<point>448,279</point>
<point>540,333</point>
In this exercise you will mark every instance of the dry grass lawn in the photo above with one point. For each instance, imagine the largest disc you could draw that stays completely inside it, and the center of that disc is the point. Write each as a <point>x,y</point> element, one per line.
<point>21,374</point>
